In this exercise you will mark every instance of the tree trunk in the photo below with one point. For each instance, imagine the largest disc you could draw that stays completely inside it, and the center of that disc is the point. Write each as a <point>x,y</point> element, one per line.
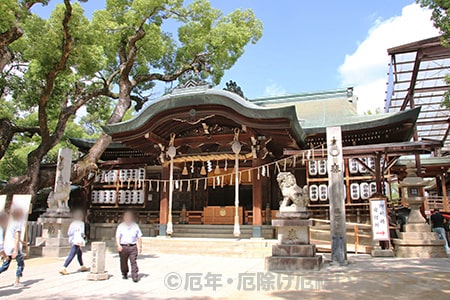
<point>7,131</point>
<point>6,135</point>
<point>29,183</point>
<point>89,161</point>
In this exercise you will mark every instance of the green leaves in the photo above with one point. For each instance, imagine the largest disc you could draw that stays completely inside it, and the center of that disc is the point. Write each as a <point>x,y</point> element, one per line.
<point>8,9</point>
<point>119,54</point>
<point>440,14</point>
<point>202,30</point>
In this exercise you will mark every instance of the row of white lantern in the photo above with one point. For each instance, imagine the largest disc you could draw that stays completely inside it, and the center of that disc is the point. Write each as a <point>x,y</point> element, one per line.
<point>123,175</point>
<point>355,167</point>
<point>363,190</point>
<point>125,197</point>
<point>132,174</point>
<point>318,192</point>
<point>103,197</point>
<point>319,167</point>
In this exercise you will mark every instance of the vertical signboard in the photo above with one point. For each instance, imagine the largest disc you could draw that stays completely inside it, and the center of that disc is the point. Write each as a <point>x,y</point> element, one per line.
<point>379,219</point>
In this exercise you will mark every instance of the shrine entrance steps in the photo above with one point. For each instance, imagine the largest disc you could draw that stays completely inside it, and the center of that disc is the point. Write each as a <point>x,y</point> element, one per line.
<point>225,247</point>
<point>219,231</point>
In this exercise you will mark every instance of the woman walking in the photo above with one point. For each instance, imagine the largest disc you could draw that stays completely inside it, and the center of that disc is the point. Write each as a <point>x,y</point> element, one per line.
<point>76,240</point>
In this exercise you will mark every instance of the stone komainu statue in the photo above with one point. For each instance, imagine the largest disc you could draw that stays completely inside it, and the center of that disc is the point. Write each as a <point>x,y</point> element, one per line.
<point>293,195</point>
<point>60,197</point>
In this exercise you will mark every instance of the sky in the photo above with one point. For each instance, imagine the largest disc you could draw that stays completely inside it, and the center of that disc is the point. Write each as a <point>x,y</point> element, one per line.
<point>319,45</point>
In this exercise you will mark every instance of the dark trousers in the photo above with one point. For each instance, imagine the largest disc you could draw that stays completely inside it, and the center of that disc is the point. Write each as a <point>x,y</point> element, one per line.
<point>76,250</point>
<point>20,264</point>
<point>129,253</point>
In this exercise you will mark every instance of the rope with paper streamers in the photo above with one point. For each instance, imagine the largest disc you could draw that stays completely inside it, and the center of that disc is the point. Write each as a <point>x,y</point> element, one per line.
<point>217,180</point>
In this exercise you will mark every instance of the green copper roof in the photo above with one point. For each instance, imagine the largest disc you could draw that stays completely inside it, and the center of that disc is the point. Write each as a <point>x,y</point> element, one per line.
<point>361,122</point>
<point>199,96</point>
<point>294,98</point>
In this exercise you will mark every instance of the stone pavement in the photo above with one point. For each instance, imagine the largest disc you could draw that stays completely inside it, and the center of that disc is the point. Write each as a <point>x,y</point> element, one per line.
<point>197,277</point>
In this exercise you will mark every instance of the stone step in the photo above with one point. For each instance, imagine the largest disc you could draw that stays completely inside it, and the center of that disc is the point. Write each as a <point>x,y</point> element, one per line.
<point>417,235</point>
<point>218,231</point>
<point>212,247</point>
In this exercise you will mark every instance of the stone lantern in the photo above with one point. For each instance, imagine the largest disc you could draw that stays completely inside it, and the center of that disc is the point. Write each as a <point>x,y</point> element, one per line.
<point>414,187</point>
<point>416,240</point>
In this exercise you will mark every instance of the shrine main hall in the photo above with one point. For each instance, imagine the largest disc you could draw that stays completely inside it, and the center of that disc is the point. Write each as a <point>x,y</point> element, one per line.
<point>201,127</point>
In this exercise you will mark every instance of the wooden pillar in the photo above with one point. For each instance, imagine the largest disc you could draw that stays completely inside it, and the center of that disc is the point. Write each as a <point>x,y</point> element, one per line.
<point>444,194</point>
<point>378,176</point>
<point>257,199</point>
<point>347,181</point>
<point>163,201</point>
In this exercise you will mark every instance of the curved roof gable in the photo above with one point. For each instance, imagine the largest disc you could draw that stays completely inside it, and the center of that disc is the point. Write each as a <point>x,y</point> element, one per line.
<point>187,111</point>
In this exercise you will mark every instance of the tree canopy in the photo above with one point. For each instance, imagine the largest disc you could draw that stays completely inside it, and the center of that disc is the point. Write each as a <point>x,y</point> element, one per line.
<point>52,67</point>
<point>440,14</point>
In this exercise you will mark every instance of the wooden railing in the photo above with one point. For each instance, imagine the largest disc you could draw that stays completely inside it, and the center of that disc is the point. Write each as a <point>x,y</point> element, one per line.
<point>353,229</point>
<point>434,202</point>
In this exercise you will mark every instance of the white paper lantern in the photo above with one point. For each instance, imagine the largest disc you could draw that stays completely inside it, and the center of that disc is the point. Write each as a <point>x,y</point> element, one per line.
<point>135,195</point>
<point>322,167</point>
<point>373,188</point>
<point>354,191</point>
<point>364,190</point>
<point>323,192</point>
<point>312,166</point>
<point>94,199</point>
<point>362,169</point>
<point>371,163</point>
<point>313,193</point>
<point>353,166</point>
<point>122,197</point>
<point>141,198</point>
<point>128,197</point>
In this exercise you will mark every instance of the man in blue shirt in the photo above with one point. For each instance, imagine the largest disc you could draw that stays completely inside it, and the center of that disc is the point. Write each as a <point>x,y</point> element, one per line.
<point>129,245</point>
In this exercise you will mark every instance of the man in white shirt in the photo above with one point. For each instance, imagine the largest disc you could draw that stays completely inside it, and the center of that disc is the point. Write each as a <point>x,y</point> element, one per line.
<point>129,245</point>
<point>13,246</point>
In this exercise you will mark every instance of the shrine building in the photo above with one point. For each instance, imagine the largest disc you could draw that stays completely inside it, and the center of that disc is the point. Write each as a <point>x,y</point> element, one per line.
<point>203,162</point>
<point>285,133</point>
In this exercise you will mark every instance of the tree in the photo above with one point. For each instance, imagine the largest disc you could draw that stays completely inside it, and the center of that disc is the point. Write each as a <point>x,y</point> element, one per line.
<point>60,64</point>
<point>11,20</point>
<point>140,51</point>
<point>51,75</point>
<point>441,20</point>
<point>13,14</point>
<point>440,15</point>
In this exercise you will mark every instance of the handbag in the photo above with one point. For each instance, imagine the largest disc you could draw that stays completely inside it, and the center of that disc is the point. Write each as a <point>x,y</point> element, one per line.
<point>78,239</point>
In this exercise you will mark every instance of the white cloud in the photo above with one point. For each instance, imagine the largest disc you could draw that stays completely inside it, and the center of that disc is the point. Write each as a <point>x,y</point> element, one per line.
<point>274,89</point>
<point>367,67</point>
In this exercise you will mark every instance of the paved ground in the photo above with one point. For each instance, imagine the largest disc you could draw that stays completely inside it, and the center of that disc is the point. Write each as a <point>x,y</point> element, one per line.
<point>196,277</point>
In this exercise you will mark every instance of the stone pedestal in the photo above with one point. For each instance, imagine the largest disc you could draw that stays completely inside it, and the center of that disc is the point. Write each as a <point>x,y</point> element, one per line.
<point>378,252</point>
<point>98,262</point>
<point>54,240</point>
<point>417,241</point>
<point>293,251</point>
